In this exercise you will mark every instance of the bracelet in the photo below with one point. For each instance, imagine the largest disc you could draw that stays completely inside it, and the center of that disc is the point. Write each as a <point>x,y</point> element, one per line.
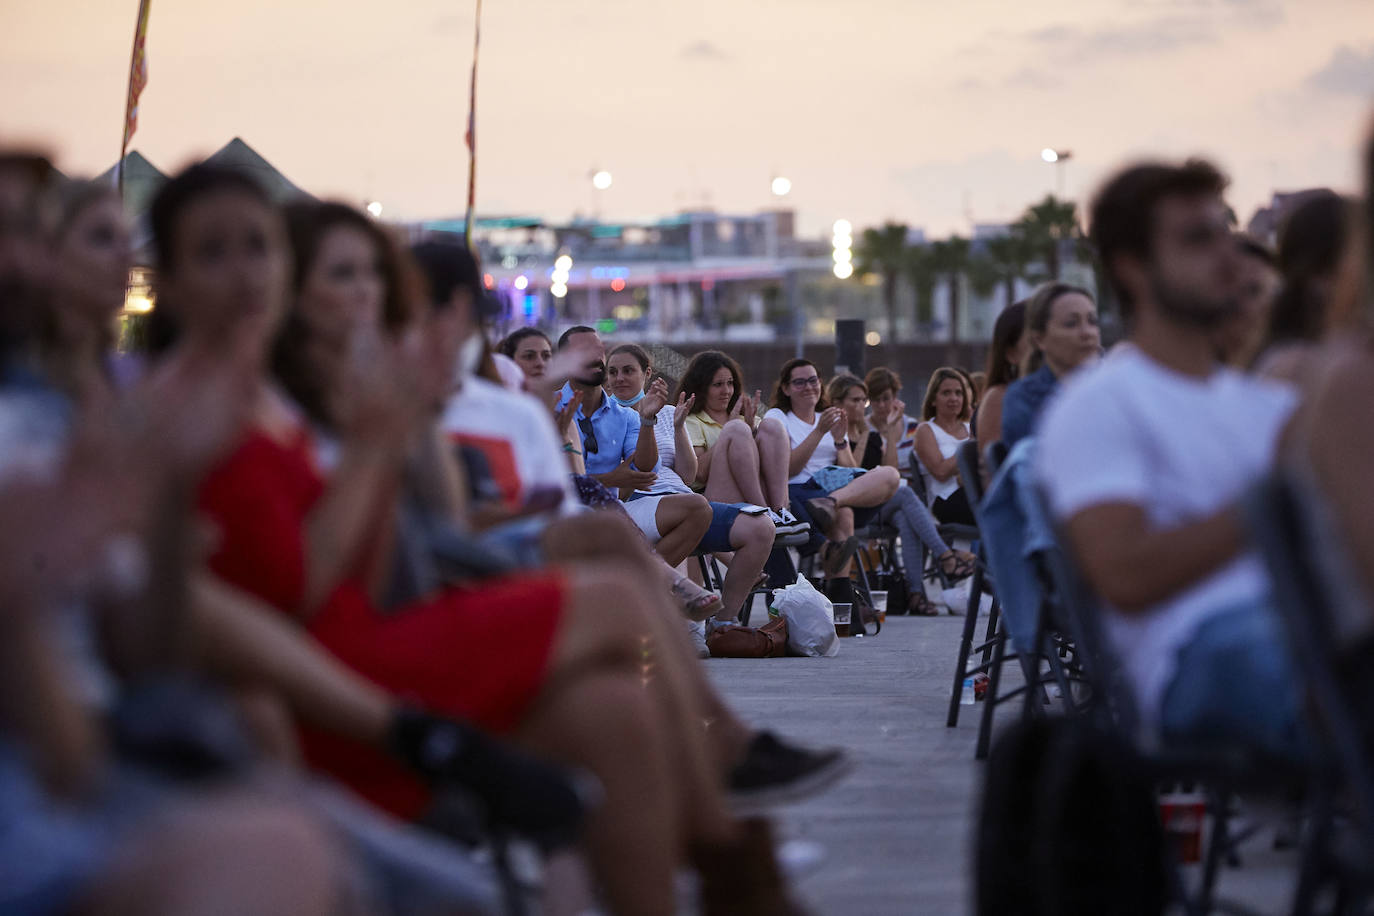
<point>571,449</point>
<point>648,421</point>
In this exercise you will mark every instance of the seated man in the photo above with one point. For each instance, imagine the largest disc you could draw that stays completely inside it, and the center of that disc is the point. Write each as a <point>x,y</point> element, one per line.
<point>1145,457</point>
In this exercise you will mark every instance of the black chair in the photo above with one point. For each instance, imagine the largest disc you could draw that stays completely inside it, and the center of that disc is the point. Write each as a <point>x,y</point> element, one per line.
<point>1222,773</point>
<point>1310,583</point>
<point>948,532</point>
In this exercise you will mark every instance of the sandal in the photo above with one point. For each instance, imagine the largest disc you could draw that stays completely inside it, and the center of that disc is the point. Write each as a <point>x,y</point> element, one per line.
<point>822,510</point>
<point>696,602</point>
<point>957,564</point>
<point>921,606</point>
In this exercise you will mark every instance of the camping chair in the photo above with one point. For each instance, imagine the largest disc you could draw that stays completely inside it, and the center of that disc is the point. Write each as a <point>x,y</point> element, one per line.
<point>1309,586</point>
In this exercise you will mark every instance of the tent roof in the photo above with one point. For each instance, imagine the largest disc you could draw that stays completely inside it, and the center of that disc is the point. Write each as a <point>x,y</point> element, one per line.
<point>240,155</point>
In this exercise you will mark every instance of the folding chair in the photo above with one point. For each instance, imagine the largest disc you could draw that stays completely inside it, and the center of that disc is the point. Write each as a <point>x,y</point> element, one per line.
<point>1112,711</point>
<point>1310,584</point>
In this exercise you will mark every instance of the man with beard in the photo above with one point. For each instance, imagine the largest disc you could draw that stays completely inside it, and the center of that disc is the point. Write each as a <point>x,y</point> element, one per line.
<point>1145,457</point>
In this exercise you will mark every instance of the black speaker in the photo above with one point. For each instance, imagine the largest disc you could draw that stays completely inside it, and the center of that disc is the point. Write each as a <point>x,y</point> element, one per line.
<point>849,346</point>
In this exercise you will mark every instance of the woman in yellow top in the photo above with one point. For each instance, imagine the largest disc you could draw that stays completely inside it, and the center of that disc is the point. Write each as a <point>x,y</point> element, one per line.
<point>740,458</point>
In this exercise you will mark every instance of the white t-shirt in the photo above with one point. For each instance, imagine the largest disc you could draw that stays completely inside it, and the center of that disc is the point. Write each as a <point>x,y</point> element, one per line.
<point>949,446</point>
<point>797,431</point>
<point>1130,430</point>
<point>517,436</point>
<point>668,481</point>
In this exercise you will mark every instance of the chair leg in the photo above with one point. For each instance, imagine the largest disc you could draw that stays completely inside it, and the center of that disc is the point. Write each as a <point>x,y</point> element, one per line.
<point>965,647</point>
<point>994,618</point>
<point>990,698</point>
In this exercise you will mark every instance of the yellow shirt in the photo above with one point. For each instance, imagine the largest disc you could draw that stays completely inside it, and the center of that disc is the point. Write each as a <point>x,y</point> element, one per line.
<point>702,431</point>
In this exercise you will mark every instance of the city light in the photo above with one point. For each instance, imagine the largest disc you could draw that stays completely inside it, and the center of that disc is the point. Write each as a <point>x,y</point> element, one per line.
<point>841,249</point>
<point>873,338</point>
<point>601,179</point>
<point>488,281</point>
<point>781,186</point>
<point>374,209</point>
<point>559,290</point>
<point>522,281</point>
<point>1049,155</point>
<point>563,264</point>
<point>617,285</point>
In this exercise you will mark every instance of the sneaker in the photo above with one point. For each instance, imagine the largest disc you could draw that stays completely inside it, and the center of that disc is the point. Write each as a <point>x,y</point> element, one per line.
<point>787,524</point>
<point>774,773</point>
<point>696,631</point>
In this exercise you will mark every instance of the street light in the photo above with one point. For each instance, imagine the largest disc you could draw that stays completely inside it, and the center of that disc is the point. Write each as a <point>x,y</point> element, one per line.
<point>601,179</point>
<point>781,186</point>
<point>842,249</point>
<point>1057,158</point>
<point>374,209</point>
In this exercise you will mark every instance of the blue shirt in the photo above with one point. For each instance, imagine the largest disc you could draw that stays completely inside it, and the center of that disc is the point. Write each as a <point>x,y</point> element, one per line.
<point>1024,402</point>
<point>617,433</point>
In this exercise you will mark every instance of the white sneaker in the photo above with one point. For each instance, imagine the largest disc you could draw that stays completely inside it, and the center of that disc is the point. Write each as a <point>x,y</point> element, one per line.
<point>697,631</point>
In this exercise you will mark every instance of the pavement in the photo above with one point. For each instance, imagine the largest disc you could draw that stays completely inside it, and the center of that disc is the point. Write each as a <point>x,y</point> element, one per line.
<point>897,831</point>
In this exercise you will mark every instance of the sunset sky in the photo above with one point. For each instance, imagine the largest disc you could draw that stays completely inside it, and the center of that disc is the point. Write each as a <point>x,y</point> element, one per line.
<point>923,112</point>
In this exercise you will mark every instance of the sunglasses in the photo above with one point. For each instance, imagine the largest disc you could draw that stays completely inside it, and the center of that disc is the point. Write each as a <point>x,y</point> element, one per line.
<point>589,443</point>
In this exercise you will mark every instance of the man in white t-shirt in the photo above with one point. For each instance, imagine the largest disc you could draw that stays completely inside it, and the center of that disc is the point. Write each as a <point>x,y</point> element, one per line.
<point>1145,457</point>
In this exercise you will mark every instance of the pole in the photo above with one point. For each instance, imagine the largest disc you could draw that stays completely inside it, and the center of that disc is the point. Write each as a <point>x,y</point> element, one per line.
<point>138,78</point>
<point>472,127</point>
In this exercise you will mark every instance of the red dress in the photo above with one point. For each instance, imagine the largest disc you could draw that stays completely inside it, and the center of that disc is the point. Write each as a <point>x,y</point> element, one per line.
<point>478,654</point>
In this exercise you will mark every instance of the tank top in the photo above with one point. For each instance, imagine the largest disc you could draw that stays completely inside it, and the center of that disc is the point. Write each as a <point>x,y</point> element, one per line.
<point>942,489</point>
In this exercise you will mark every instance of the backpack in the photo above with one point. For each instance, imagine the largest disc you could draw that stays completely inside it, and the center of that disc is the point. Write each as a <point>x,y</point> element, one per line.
<point>1068,826</point>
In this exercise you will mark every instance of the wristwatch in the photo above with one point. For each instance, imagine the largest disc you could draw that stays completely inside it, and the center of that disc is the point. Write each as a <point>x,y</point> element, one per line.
<point>843,440</point>
<point>647,421</point>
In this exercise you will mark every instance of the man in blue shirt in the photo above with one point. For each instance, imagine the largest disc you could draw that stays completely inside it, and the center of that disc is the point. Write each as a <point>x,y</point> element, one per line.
<point>618,444</point>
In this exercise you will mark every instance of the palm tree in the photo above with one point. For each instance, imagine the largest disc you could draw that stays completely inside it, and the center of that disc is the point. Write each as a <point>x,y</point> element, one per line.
<point>881,253</point>
<point>918,263</point>
<point>951,259</point>
<point>1001,263</point>
<point>1045,225</point>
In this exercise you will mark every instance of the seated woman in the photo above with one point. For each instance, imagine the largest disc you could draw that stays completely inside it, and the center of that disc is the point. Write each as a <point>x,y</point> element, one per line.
<point>1005,355</point>
<point>945,413</point>
<point>530,348</point>
<point>877,439</point>
<point>554,659</point>
<point>825,479</point>
<point>1061,326</point>
<point>737,462</point>
<point>749,535</point>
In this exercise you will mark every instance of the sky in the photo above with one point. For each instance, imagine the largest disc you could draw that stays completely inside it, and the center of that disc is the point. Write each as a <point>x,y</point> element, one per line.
<point>927,113</point>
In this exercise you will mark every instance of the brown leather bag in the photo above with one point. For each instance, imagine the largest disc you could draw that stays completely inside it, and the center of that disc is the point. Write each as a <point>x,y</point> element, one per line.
<point>767,641</point>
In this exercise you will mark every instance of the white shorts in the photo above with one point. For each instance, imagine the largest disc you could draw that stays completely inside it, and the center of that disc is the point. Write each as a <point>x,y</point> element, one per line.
<point>644,513</point>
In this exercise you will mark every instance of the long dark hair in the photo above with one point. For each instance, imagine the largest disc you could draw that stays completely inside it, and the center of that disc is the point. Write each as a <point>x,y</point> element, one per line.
<point>938,377</point>
<point>1007,330</point>
<point>696,379</point>
<point>1312,241</point>
<point>192,184</point>
<point>307,224</point>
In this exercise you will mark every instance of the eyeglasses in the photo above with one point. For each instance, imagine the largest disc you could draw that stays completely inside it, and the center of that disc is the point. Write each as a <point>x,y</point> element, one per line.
<point>811,382</point>
<point>589,443</point>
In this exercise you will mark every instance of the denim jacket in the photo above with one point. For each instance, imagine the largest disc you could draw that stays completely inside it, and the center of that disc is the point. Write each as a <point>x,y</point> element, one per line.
<point>1014,529</point>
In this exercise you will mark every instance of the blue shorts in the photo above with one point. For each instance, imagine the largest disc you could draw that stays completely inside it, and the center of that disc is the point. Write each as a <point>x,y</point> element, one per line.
<point>717,537</point>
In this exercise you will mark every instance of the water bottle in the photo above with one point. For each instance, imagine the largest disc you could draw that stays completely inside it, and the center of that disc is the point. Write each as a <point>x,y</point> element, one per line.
<point>968,697</point>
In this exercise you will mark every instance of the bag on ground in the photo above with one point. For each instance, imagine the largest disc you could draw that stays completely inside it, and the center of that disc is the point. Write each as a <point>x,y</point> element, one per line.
<point>810,619</point>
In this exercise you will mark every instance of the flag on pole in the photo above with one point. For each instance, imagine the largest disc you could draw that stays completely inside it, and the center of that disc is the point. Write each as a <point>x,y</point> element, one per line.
<point>471,136</point>
<point>138,78</point>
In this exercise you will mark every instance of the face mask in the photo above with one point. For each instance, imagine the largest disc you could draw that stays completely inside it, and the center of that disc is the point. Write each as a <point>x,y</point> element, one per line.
<point>629,402</point>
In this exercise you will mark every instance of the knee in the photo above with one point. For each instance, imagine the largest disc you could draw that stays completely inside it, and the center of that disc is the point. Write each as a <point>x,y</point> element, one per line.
<point>770,428</point>
<point>888,477</point>
<point>736,429</point>
<point>752,529</point>
<point>699,510</point>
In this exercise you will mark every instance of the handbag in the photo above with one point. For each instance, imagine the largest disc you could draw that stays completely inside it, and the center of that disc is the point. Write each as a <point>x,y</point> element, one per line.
<point>767,641</point>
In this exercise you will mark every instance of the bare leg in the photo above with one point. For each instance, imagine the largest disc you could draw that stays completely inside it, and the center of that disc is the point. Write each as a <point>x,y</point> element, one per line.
<point>752,537</point>
<point>735,467</point>
<point>868,490</point>
<point>682,520</point>
<point>844,529</point>
<point>194,863</point>
<point>775,450</point>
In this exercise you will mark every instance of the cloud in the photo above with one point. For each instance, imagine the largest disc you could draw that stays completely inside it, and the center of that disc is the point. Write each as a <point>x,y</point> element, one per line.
<point>1157,36</point>
<point>1349,72</point>
<point>1026,78</point>
<point>703,50</point>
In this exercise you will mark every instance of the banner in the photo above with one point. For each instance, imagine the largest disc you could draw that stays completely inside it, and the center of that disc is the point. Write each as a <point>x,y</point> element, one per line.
<point>472,128</point>
<point>138,78</point>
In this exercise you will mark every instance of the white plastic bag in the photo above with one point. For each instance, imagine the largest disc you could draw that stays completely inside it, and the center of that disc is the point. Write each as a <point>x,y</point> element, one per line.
<point>810,619</point>
<point>955,599</point>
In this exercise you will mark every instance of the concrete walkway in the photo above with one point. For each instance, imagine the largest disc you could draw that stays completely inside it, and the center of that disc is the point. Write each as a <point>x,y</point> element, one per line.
<point>898,830</point>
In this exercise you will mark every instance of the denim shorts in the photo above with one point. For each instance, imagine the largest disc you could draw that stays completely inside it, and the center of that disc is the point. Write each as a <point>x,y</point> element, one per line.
<point>717,537</point>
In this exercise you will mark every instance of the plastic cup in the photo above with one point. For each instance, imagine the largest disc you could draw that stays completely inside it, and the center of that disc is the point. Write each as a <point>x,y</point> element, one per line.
<point>842,612</point>
<point>879,604</point>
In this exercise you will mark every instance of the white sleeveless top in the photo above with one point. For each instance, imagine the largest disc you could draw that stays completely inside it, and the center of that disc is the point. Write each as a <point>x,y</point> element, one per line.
<point>942,489</point>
